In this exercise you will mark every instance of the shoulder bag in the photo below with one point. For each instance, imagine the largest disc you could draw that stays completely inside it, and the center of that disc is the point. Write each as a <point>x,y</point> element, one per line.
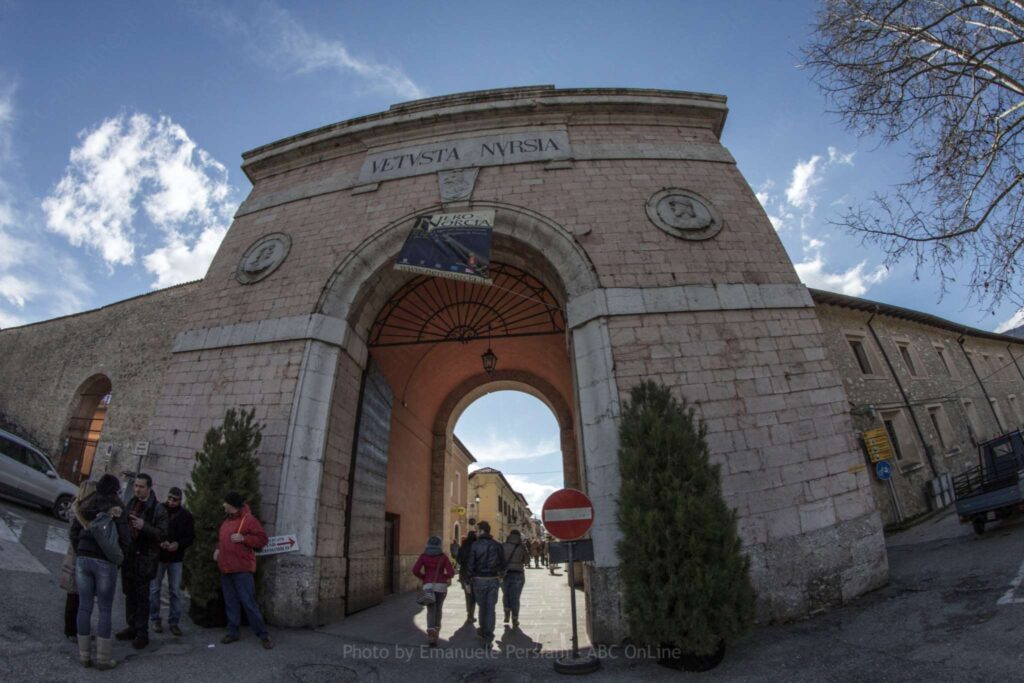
<point>104,532</point>
<point>426,596</point>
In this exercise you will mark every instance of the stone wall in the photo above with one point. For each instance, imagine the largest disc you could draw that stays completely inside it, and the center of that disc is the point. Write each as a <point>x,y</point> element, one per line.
<point>43,366</point>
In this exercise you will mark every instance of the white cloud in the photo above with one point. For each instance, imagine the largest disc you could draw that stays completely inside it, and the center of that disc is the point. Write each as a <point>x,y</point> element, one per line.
<point>274,36</point>
<point>854,281</point>
<point>804,177</point>
<point>178,262</point>
<point>1016,320</point>
<point>837,157</point>
<point>16,290</point>
<point>128,163</point>
<point>534,492</point>
<point>495,449</point>
<point>774,209</point>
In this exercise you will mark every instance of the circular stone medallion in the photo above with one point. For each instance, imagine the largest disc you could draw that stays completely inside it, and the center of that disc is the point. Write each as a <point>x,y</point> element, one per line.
<point>684,214</point>
<point>263,257</point>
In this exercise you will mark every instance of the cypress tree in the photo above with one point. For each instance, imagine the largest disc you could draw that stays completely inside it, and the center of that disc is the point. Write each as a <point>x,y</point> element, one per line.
<point>227,463</point>
<point>686,582</point>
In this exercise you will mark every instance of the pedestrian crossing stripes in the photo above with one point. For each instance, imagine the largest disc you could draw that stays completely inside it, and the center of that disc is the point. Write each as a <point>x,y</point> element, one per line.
<point>13,555</point>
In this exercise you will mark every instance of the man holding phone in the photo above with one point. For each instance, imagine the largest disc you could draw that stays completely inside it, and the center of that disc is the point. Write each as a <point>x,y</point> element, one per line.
<point>147,522</point>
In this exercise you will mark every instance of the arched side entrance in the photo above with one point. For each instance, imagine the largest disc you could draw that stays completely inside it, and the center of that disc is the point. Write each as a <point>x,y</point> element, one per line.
<point>84,427</point>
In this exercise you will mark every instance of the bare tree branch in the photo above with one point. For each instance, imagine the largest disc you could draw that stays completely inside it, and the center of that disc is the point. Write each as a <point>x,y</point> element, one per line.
<point>946,78</point>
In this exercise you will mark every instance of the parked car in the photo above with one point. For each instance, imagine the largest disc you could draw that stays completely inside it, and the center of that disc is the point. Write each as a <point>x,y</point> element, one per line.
<point>29,476</point>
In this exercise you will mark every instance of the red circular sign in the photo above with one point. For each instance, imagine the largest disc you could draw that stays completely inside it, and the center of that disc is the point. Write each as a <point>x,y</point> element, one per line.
<point>567,514</point>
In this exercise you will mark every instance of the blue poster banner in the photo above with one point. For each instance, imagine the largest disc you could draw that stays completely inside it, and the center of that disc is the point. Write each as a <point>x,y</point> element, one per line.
<point>451,245</point>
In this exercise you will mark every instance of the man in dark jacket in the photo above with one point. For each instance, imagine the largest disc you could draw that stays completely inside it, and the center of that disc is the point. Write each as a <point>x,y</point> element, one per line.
<point>485,564</point>
<point>147,522</point>
<point>180,534</point>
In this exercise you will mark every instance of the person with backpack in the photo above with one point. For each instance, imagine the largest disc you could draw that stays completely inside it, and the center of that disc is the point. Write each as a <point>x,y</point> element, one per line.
<point>238,539</point>
<point>100,536</point>
<point>435,570</point>
<point>516,556</point>
<point>485,564</point>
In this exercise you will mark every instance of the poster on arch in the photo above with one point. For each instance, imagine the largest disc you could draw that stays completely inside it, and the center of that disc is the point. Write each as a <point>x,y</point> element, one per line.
<point>450,245</point>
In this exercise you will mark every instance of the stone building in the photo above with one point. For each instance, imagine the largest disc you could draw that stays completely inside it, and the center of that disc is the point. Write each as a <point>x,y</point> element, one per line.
<point>938,389</point>
<point>625,245</point>
<point>457,507</point>
<point>497,502</point>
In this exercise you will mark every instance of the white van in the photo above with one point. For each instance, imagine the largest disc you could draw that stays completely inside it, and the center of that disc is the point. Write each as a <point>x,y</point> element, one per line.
<point>28,475</point>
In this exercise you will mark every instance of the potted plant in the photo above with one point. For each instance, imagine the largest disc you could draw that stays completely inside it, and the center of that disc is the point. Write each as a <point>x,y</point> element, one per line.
<point>686,582</point>
<point>227,462</point>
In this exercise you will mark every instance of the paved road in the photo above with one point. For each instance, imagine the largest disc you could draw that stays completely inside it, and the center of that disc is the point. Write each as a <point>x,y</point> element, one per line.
<point>954,611</point>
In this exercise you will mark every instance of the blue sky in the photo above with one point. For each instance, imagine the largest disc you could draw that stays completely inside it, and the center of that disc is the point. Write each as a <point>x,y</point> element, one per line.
<point>122,124</point>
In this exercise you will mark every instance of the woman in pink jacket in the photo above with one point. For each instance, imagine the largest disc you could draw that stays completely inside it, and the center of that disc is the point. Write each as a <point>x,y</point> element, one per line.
<point>435,570</point>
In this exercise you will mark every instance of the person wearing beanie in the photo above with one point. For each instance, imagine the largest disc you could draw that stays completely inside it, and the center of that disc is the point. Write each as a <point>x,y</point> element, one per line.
<point>95,573</point>
<point>180,534</point>
<point>240,536</point>
<point>435,570</point>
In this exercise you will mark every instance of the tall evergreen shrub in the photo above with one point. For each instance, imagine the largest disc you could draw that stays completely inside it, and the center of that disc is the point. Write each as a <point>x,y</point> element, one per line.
<point>686,582</point>
<point>226,463</point>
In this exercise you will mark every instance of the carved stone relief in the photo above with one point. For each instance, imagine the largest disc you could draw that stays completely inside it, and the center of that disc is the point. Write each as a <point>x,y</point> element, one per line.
<point>457,185</point>
<point>684,214</point>
<point>263,257</point>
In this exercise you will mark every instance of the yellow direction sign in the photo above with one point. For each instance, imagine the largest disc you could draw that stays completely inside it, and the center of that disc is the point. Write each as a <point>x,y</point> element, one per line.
<point>877,443</point>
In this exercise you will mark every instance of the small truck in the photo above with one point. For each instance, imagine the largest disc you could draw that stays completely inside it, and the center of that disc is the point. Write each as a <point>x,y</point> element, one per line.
<point>994,489</point>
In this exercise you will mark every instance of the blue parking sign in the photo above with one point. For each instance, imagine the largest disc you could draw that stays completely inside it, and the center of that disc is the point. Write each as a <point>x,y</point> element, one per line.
<point>883,470</point>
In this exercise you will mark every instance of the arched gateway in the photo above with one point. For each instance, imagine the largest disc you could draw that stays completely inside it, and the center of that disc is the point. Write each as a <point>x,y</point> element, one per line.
<point>625,245</point>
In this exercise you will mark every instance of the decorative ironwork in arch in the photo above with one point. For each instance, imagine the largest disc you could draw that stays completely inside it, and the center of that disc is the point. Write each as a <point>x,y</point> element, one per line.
<point>429,310</point>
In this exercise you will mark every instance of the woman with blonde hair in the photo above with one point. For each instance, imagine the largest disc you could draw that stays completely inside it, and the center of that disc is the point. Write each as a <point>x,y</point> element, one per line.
<point>67,570</point>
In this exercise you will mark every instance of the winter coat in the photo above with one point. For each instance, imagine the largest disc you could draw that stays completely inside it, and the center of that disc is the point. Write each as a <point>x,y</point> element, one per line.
<point>463,560</point>
<point>180,530</point>
<point>236,558</point>
<point>434,570</point>
<point>486,558</point>
<point>81,538</point>
<point>516,553</point>
<point>143,556</point>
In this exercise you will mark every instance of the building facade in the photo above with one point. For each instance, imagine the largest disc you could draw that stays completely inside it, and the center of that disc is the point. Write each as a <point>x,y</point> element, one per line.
<point>625,245</point>
<point>937,388</point>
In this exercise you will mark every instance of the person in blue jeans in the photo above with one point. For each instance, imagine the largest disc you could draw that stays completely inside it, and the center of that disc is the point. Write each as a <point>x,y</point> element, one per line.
<point>516,556</point>
<point>485,563</point>
<point>240,535</point>
<point>95,573</point>
<point>180,534</point>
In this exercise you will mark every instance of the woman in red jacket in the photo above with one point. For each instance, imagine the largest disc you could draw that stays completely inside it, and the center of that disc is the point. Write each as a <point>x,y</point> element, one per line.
<point>239,537</point>
<point>435,570</point>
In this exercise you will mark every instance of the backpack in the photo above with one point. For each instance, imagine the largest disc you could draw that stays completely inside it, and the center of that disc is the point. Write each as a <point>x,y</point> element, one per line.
<point>104,531</point>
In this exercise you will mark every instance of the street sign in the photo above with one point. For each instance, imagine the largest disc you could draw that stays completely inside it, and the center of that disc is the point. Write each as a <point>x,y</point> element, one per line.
<point>567,514</point>
<point>877,443</point>
<point>141,448</point>
<point>279,544</point>
<point>883,470</point>
<point>582,551</point>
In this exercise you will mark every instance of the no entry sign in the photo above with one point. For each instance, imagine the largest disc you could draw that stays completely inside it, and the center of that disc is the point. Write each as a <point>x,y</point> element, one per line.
<point>567,514</point>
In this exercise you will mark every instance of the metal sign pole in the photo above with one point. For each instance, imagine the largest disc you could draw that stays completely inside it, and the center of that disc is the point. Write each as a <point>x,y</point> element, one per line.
<point>575,664</point>
<point>572,603</point>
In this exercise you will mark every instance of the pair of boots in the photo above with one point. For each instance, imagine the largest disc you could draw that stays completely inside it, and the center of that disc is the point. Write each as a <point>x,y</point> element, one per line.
<point>104,646</point>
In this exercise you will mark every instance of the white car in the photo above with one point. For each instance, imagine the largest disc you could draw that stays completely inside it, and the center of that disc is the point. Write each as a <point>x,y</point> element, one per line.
<point>29,476</point>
